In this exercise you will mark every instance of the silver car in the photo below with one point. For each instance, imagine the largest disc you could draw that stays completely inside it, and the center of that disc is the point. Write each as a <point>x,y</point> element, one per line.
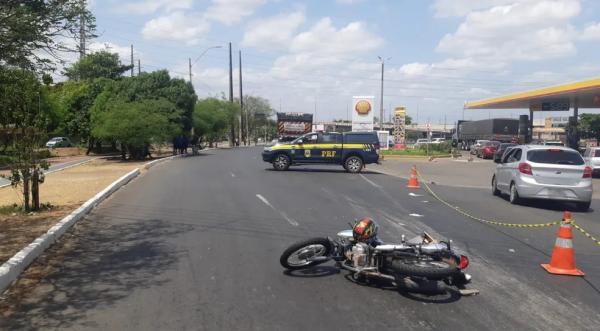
<point>592,157</point>
<point>544,172</point>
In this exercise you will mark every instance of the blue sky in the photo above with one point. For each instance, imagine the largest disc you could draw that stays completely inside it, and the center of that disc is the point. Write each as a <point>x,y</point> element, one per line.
<point>318,54</point>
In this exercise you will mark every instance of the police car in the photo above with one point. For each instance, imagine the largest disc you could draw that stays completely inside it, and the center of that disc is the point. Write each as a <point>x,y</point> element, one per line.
<point>352,150</point>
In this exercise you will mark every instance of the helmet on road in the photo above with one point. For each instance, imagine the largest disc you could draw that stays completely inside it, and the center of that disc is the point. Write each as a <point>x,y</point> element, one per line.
<point>365,230</point>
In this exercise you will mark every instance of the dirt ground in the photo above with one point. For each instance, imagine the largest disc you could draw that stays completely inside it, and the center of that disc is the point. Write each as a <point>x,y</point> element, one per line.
<point>65,190</point>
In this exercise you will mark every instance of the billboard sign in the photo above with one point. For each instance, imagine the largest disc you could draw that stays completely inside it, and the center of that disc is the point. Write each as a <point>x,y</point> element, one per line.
<point>362,113</point>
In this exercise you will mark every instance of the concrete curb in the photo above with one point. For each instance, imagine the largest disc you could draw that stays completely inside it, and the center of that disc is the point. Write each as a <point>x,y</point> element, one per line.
<point>155,162</point>
<point>11,269</point>
<point>412,157</point>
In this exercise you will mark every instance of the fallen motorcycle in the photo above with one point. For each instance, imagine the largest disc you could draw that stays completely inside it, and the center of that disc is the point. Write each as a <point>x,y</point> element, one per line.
<point>419,259</point>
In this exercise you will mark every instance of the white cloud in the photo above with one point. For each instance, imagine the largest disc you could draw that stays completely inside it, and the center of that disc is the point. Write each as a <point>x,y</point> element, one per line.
<point>324,38</point>
<point>273,33</point>
<point>176,26</point>
<point>591,32</point>
<point>460,8</point>
<point>232,11</point>
<point>123,51</point>
<point>530,30</point>
<point>151,6</point>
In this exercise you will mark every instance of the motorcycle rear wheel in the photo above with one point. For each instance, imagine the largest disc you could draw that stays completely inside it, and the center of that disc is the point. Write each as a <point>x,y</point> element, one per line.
<point>297,256</point>
<point>430,269</point>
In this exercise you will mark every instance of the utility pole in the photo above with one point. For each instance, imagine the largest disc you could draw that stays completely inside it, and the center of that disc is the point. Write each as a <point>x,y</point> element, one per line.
<point>381,95</point>
<point>190,67</point>
<point>139,67</point>
<point>82,30</point>
<point>132,60</point>
<point>243,115</point>
<point>231,95</point>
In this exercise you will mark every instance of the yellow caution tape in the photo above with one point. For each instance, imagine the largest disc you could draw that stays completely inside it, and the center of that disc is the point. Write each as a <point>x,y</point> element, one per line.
<point>587,234</point>
<point>479,219</point>
<point>512,225</point>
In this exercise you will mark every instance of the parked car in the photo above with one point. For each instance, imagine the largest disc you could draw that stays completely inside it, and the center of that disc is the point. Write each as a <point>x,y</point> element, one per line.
<point>542,172</point>
<point>488,149</point>
<point>475,147</point>
<point>438,140</point>
<point>592,158</point>
<point>503,147</point>
<point>59,142</point>
<point>421,142</point>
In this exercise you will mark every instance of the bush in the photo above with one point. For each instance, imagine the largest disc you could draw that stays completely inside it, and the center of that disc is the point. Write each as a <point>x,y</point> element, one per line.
<point>444,147</point>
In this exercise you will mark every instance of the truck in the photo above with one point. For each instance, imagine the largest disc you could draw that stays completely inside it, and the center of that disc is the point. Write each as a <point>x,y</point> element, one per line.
<point>498,129</point>
<point>292,125</point>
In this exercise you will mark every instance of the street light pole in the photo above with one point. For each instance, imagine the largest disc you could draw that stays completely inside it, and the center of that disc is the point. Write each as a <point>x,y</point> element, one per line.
<point>198,58</point>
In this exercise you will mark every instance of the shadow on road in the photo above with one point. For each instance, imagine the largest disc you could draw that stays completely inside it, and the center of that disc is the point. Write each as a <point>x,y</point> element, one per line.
<point>316,271</point>
<point>96,264</point>
<point>321,170</point>
<point>551,205</point>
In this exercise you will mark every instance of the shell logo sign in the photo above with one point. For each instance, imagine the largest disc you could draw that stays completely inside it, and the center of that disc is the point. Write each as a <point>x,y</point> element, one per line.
<point>362,116</point>
<point>363,107</point>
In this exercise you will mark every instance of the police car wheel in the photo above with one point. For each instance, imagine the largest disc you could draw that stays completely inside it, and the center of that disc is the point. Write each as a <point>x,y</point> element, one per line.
<point>353,164</point>
<point>281,162</point>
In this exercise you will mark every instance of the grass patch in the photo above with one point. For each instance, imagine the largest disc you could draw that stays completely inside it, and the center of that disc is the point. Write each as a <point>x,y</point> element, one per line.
<point>413,152</point>
<point>18,209</point>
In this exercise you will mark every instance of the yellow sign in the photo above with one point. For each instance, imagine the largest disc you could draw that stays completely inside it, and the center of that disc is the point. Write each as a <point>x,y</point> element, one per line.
<point>400,111</point>
<point>363,107</point>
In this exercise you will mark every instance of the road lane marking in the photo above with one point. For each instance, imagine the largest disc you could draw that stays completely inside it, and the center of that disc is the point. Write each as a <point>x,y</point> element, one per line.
<point>370,181</point>
<point>415,195</point>
<point>415,215</point>
<point>284,215</point>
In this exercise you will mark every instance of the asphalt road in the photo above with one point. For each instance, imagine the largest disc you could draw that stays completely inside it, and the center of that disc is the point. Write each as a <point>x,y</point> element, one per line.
<point>194,244</point>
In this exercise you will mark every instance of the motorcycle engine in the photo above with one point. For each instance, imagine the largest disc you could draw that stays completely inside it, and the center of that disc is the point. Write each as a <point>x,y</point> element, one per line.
<point>359,255</point>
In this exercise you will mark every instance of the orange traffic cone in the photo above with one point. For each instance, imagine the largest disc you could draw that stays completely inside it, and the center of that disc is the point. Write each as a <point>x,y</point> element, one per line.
<point>563,254</point>
<point>413,182</point>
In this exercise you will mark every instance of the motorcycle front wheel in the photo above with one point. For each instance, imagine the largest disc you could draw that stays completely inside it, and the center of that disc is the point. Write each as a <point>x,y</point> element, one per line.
<point>426,268</point>
<point>298,256</point>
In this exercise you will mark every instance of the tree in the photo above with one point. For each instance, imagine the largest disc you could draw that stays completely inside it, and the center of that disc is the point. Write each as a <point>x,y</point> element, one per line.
<point>32,30</point>
<point>212,118</point>
<point>25,110</point>
<point>135,125</point>
<point>589,125</point>
<point>258,108</point>
<point>97,65</point>
<point>407,120</point>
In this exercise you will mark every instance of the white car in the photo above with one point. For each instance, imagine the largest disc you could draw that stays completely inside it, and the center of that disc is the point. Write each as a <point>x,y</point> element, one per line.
<point>438,140</point>
<point>421,142</point>
<point>544,172</point>
<point>592,158</point>
<point>58,142</point>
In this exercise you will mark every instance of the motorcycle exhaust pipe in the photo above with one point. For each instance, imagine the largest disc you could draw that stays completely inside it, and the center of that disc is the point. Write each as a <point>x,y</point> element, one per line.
<point>368,273</point>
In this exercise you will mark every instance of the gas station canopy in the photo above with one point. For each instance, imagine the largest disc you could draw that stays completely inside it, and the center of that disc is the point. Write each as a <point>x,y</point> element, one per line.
<point>583,94</point>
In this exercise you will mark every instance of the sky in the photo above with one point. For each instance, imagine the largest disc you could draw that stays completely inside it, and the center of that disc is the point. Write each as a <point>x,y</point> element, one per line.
<point>313,56</point>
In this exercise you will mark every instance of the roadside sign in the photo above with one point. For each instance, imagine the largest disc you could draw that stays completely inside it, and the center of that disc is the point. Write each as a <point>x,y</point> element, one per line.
<point>362,114</point>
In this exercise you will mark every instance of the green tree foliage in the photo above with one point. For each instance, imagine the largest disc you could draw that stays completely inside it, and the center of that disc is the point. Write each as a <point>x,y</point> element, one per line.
<point>212,118</point>
<point>30,30</point>
<point>259,110</point>
<point>135,125</point>
<point>408,120</point>
<point>25,117</point>
<point>589,125</point>
<point>97,65</point>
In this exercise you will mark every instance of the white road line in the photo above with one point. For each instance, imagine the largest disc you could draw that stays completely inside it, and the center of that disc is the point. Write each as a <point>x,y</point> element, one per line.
<point>370,181</point>
<point>415,195</point>
<point>232,174</point>
<point>415,215</point>
<point>284,215</point>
